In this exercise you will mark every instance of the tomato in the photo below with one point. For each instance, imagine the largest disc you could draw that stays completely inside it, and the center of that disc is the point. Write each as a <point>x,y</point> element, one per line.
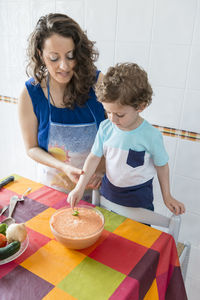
<point>3,240</point>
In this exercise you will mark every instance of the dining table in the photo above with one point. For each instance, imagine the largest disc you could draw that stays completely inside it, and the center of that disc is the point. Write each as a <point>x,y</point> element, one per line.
<point>130,260</point>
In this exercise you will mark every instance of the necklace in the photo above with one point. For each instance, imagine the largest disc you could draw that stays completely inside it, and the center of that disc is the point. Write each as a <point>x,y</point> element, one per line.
<point>51,98</point>
<point>49,93</point>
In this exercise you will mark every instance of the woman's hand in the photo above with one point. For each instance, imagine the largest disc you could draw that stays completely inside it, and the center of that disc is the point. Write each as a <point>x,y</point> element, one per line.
<point>68,177</point>
<point>73,175</point>
<point>72,172</point>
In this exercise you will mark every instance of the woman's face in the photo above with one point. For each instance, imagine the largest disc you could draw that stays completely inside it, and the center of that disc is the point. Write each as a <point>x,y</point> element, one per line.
<point>58,56</point>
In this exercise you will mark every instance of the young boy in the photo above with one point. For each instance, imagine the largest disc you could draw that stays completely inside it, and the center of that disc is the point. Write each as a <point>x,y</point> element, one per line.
<point>133,148</point>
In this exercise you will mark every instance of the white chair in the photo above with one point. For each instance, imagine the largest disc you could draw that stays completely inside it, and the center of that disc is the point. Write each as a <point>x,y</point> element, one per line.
<point>172,224</point>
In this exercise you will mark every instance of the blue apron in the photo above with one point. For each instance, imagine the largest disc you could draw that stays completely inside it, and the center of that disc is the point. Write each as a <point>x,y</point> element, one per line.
<point>70,143</point>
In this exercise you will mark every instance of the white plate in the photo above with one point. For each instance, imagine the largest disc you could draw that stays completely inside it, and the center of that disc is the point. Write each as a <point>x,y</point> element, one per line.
<point>23,247</point>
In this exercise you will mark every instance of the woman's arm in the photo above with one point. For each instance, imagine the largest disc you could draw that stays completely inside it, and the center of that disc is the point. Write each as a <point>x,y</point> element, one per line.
<point>172,204</point>
<point>89,168</point>
<point>29,127</point>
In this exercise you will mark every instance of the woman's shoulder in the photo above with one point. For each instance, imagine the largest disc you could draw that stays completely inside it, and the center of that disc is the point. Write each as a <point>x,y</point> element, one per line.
<point>24,95</point>
<point>34,89</point>
<point>31,84</point>
<point>30,80</point>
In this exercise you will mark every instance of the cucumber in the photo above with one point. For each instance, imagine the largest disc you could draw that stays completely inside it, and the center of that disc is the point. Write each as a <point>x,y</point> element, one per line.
<point>9,250</point>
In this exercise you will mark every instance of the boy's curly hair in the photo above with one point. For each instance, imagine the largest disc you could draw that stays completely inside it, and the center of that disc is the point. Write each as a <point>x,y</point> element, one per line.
<point>77,89</point>
<point>127,84</point>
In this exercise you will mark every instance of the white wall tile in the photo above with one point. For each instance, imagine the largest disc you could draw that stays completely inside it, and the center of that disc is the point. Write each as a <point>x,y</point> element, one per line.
<point>134,20</point>
<point>187,190</point>
<point>194,69</point>
<point>5,81</point>
<point>74,9</point>
<point>191,111</point>
<point>196,38</point>
<point>168,65</point>
<point>13,52</point>
<point>194,264</point>
<point>16,52</point>
<point>188,159</point>
<point>165,109</point>
<point>18,83</point>
<point>106,55</point>
<point>12,81</point>
<point>5,147</point>
<point>158,202</point>
<point>132,52</point>
<point>20,155</point>
<point>4,58</point>
<point>40,8</point>
<point>193,288</point>
<point>190,228</point>
<point>12,152</point>
<point>171,148</point>
<point>3,18</point>
<point>174,21</point>
<point>100,19</point>
<point>14,13</point>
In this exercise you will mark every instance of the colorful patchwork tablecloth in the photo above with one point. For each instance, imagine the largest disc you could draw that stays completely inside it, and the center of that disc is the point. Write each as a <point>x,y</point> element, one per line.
<point>130,260</point>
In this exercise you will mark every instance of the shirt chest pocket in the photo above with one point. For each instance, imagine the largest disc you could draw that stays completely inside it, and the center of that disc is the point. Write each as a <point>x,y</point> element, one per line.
<point>135,158</point>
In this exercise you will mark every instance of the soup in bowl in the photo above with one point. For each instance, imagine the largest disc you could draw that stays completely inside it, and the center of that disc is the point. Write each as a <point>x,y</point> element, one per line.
<point>77,229</point>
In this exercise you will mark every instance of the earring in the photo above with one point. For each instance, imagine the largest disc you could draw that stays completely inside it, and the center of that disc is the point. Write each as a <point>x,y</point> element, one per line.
<point>43,66</point>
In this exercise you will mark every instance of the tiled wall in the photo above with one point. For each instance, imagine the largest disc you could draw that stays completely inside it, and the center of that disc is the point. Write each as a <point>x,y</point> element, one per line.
<point>163,36</point>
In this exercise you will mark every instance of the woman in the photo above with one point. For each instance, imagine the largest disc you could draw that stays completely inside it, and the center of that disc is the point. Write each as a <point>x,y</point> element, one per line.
<point>58,110</point>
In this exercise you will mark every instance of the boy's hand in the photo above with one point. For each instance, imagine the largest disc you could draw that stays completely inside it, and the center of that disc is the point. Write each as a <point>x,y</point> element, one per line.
<point>174,206</point>
<point>74,197</point>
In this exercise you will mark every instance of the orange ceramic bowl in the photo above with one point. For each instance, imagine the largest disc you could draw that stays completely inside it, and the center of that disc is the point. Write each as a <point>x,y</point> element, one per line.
<point>77,232</point>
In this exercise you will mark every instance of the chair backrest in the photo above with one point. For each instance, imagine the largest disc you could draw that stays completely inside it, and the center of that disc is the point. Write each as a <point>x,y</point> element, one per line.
<point>139,214</point>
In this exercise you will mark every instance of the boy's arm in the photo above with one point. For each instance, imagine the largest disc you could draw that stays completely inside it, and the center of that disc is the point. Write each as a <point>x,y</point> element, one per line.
<point>89,168</point>
<point>96,179</point>
<point>172,204</point>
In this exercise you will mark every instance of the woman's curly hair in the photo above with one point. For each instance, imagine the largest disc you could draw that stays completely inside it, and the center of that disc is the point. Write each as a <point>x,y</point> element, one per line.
<point>84,77</point>
<point>127,84</point>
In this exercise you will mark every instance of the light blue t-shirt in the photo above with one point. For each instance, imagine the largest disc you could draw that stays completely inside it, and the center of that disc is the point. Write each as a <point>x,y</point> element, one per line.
<point>130,155</point>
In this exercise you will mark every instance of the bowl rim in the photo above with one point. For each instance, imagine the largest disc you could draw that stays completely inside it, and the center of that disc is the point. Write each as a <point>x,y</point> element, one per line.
<point>81,237</point>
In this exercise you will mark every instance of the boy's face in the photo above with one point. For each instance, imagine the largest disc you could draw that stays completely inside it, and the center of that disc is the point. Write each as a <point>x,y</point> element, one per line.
<point>125,117</point>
